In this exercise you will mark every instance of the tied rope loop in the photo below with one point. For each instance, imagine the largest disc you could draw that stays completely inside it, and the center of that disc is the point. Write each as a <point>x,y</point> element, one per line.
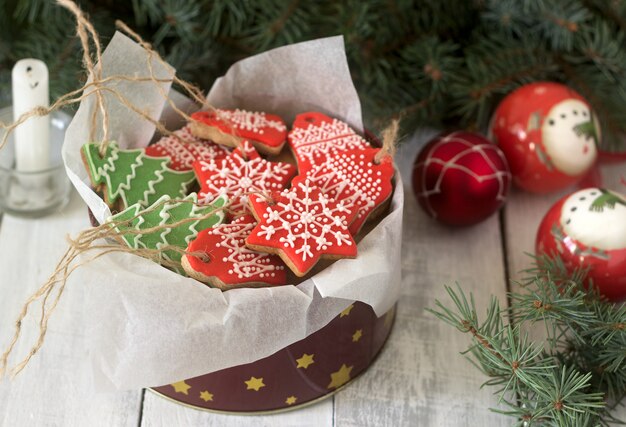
<point>390,141</point>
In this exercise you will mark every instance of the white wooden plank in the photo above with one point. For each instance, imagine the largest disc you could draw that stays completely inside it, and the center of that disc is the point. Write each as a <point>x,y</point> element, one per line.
<point>50,391</point>
<point>158,411</point>
<point>523,214</point>
<point>420,378</point>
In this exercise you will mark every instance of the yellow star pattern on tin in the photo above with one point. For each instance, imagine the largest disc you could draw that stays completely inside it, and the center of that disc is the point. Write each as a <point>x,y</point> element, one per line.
<point>254,384</point>
<point>339,378</point>
<point>181,387</point>
<point>291,400</point>
<point>305,360</point>
<point>357,335</point>
<point>347,311</point>
<point>206,396</point>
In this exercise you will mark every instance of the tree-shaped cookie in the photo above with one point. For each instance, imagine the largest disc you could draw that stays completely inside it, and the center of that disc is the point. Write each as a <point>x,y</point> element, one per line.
<point>354,177</point>
<point>267,132</point>
<point>127,177</point>
<point>301,225</point>
<point>228,263</point>
<point>183,149</point>
<point>314,137</point>
<point>185,216</point>
<point>238,175</point>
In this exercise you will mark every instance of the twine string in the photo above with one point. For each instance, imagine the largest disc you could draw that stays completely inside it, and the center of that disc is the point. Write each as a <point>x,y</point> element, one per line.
<point>390,141</point>
<point>194,92</point>
<point>85,242</point>
<point>85,29</point>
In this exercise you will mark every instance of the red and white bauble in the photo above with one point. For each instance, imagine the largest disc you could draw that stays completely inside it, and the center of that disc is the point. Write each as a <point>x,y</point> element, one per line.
<point>549,135</point>
<point>588,229</point>
<point>461,178</point>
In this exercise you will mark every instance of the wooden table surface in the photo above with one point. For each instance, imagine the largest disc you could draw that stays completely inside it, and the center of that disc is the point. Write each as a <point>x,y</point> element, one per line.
<point>419,379</point>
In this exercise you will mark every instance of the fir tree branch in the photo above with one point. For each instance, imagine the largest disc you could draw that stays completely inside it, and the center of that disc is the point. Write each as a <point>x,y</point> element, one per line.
<point>583,369</point>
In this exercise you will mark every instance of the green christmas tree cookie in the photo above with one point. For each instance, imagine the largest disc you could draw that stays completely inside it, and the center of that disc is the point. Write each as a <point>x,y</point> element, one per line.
<point>165,211</point>
<point>130,176</point>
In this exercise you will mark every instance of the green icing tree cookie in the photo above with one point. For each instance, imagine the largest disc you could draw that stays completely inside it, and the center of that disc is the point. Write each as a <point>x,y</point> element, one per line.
<point>165,211</point>
<point>133,177</point>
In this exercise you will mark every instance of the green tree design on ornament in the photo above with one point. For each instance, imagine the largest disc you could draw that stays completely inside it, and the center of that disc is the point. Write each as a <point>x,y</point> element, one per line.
<point>185,216</point>
<point>133,177</point>
<point>606,199</point>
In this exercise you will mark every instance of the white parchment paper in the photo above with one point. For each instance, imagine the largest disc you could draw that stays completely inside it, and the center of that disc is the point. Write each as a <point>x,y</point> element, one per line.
<point>149,326</point>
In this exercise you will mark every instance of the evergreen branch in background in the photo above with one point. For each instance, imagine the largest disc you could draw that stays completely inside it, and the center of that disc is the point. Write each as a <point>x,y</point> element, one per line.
<point>576,376</point>
<point>445,63</point>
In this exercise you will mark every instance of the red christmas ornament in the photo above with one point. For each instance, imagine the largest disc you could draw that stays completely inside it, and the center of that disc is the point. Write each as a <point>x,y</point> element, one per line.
<point>461,178</point>
<point>588,229</point>
<point>549,136</point>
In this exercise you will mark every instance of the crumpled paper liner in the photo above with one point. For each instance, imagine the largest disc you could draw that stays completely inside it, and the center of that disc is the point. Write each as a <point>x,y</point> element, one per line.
<point>149,326</point>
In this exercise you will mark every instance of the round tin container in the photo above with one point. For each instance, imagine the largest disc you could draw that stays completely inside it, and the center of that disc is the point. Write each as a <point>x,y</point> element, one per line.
<point>299,374</point>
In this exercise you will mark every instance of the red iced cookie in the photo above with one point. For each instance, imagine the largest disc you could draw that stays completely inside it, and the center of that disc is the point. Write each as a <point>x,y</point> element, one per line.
<point>267,132</point>
<point>353,178</point>
<point>230,263</point>
<point>237,177</point>
<point>315,137</point>
<point>183,154</point>
<point>301,225</point>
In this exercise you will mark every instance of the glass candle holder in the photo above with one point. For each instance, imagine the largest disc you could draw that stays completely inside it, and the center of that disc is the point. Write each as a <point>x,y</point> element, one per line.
<point>39,193</point>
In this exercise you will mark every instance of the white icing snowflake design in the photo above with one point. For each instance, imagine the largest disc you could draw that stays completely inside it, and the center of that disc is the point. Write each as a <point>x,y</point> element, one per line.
<point>307,220</point>
<point>250,120</point>
<point>319,142</point>
<point>237,177</point>
<point>353,178</point>
<point>244,263</point>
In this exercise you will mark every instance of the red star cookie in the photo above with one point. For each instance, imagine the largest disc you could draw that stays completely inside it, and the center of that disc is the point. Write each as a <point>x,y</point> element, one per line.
<point>352,177</point>
<point>183,154</point>
<point>236,177</point>
<point>315,137</point>
<point>301,225</point>
<point>267,132</point>
<point>231,264</point>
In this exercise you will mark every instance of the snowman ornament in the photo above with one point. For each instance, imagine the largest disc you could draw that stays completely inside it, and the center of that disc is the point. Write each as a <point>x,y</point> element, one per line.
<point>549,135</point>
<point>588,229</point>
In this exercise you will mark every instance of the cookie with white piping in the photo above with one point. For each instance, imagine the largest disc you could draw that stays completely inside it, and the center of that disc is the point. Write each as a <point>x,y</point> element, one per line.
<point>240,173</point>
<point>356,177</point>
<point>267,132</point>
<point>183,148</point>
<point>227,262</point>
<point>314,137</point>
<point>126,177</point>
<point>302,225</point>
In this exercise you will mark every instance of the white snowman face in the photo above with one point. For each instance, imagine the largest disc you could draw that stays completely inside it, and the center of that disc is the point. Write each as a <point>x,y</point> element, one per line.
<point>587,218</point>
<point>567,134</point>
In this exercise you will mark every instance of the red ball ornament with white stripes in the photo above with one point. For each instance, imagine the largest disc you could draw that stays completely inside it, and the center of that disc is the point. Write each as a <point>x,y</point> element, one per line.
<point>461,178</point>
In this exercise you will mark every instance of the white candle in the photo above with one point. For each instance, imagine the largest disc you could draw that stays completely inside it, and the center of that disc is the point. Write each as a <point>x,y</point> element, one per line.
<point>32,139</point>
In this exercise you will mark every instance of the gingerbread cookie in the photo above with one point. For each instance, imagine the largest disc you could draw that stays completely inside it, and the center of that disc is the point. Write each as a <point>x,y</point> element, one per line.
<point>164,212</point>
<point>301,225</point>
<point>267,132</point>
<point>315,137</point>
<point>353,177</point>
<point>229,263</point>
<point>183,149</point>
<point>126,177</point>
<point>238,175</point>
